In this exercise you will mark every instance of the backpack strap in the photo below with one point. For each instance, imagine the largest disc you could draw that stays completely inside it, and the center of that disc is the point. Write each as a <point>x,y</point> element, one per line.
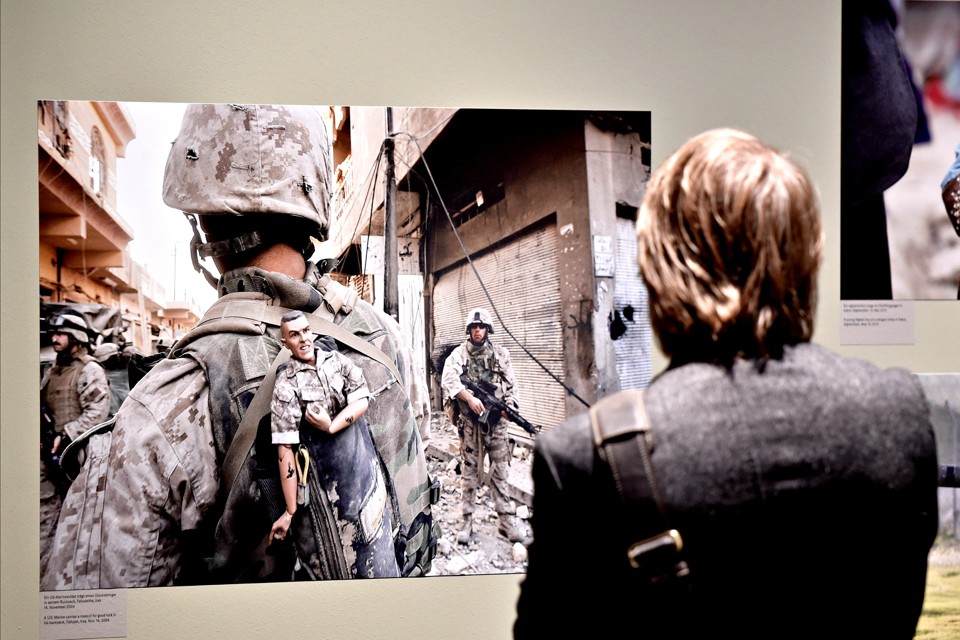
<point>621,434</point>
<point>246,434</point>
<point>247,313</point>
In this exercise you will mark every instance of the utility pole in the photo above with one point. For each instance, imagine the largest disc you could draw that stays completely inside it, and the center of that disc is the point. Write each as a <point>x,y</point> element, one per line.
<point>391,265</point>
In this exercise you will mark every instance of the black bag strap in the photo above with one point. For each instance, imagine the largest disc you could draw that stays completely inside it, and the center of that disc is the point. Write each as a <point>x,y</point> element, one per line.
<point>621,434</point>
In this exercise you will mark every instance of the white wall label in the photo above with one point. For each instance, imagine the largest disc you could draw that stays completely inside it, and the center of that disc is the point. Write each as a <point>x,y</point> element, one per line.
<point>876,322</point>
<point>69,615</point>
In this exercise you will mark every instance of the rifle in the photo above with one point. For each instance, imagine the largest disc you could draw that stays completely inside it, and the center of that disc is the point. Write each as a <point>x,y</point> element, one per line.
<point>495,407</point>
<point>48,435</point>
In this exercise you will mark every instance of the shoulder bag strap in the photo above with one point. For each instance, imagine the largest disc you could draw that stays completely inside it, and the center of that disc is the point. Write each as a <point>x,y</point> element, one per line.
<point>621,434</point>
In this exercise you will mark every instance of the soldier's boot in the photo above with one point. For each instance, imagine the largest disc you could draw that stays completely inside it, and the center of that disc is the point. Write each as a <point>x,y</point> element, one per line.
<point>505,507</point>
<point>509,529</point>
<point>466,529</point>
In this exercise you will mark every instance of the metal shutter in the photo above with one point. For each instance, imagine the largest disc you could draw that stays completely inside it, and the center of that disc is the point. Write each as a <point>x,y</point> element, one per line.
<point>634,348</point>
<point>523,280</point>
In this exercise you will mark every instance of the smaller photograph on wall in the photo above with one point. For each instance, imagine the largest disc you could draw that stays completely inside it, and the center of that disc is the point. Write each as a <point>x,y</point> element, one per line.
<point>900,151</point>
<point>427,251</point>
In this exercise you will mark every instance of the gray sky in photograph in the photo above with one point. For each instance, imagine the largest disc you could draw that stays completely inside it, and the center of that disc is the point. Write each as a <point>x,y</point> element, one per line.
<point>161,234</point>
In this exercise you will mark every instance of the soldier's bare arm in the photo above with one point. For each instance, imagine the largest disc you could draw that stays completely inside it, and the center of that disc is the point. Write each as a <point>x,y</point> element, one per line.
<point>317,416</point>
<point>288,482</point>
<point>357,396</point>
<point>351,413</point>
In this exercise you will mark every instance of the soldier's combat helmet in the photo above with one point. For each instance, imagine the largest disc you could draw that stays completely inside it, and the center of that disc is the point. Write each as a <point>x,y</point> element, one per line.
<point>105,351</point>
<point>259,174</point>
<point>72,325</point>
<point>479,315</point>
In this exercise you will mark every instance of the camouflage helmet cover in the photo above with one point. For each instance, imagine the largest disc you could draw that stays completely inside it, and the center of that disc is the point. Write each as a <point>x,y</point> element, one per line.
<point>105,351</point>
<point>479,315</point>
<point>72,325</point>
<point>232,159</point>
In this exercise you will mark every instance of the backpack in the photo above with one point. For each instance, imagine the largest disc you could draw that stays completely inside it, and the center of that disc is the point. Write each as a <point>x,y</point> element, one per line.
<point>410,489</point>
<point>411,492</point>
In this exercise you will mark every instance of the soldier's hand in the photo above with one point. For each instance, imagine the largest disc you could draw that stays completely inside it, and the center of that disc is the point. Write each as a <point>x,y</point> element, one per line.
<point>282,525</point>
<point>318,417</point>
<point>56,445</point>
<point>475,405</point>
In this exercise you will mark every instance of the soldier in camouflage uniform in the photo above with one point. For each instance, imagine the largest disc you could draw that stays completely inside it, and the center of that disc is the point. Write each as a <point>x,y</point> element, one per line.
<point>482,361</point>
<point>77,395</point>
<point>256,180</point>
<point>316,384</point>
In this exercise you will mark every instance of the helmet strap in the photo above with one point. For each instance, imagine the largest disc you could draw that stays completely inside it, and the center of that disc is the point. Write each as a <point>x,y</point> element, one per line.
<point>242,243</point>
<point>199,249</point>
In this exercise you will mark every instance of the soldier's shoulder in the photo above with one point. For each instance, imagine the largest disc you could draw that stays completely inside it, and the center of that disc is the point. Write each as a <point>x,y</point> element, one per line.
<point>569,444</point>
<point>91,371</point>
<point>167,381</point>
<point>169,403</point>
<point>365,319</point>
<point>90,364</point>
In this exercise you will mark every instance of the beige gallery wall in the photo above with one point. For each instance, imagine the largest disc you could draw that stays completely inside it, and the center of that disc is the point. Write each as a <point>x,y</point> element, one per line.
<point>772,68</point>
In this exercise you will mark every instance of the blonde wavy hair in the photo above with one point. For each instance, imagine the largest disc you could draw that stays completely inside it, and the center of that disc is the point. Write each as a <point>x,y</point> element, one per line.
<point>729,244</point>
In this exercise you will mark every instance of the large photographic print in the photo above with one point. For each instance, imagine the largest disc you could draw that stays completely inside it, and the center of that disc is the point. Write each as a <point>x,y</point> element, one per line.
<point>900,140</point>
<point>196,432</point>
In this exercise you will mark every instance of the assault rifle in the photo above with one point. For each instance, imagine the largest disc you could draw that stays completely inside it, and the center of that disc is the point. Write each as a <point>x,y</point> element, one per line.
<point>494,407</point>
<point>48,435</point>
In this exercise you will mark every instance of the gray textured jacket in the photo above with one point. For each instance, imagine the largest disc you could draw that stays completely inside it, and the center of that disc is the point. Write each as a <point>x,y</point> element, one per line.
<point>805,493</point>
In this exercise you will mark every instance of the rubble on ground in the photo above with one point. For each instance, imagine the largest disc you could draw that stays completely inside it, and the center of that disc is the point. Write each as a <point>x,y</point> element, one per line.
<point>488,551</point>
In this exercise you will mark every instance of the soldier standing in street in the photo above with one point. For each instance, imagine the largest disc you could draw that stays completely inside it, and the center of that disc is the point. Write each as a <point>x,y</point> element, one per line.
<point>77,396</point>
<point>482,362</point>
<point>256,180</point>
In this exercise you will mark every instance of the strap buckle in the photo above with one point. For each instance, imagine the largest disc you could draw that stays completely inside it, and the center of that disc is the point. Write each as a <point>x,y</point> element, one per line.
<point>654,549</point>
<point>658,557</point>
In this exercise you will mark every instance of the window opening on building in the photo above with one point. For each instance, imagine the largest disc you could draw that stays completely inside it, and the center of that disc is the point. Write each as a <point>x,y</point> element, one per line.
<point>97,163</point>
<point>56,122</point>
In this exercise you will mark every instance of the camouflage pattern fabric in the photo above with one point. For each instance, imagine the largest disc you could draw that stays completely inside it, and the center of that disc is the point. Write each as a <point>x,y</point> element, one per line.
<point>348,472</point>
<point>161,486</point>
<point>78,396</point>
<point>333,382</point>
<point>251,159</point>
<point>484,363</point>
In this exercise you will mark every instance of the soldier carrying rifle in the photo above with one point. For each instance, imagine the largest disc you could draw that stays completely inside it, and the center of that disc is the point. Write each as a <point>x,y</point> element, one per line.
<point>478,361</point>
<point>75,396</point>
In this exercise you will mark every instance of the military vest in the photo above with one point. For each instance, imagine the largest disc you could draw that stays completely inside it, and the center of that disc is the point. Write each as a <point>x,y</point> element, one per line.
<point>60,392</point>
<point>481,365</point>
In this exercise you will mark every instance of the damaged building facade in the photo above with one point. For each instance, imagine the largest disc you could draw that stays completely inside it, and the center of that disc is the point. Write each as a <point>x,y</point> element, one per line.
<point>543,203</point>
<point>83,239</point>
